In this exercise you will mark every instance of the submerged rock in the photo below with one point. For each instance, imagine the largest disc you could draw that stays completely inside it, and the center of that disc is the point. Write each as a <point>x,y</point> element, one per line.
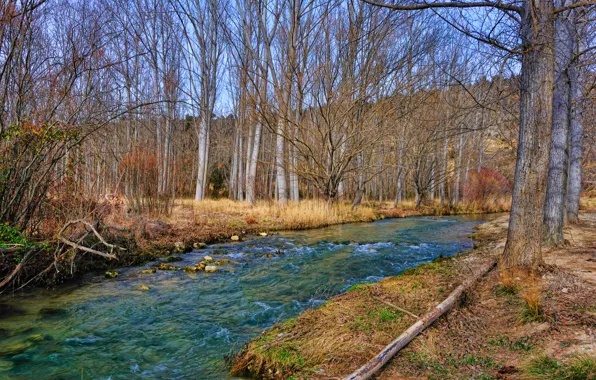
<point>211,268</point>
<point>111,274</point>
<point>143,287</point>
<point>208,259</point>
<point>268,255</point>
<point>191,269</point>
<point>222,262</point>
<point>148,271</point>
<point>172,259</point>
<point>164,266</point>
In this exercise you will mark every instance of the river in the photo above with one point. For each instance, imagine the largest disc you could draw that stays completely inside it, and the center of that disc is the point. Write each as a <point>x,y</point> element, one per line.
<point>187,322</point>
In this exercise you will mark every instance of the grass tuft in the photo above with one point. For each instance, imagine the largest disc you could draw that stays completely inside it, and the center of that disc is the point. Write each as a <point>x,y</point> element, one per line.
<point>580,367</point>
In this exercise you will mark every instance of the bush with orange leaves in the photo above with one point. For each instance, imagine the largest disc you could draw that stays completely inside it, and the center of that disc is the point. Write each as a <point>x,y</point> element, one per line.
<point>486,184</point>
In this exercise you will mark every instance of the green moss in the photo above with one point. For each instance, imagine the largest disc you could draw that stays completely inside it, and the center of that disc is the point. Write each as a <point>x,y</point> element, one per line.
<point>385,315</point>
<point>359,286</point>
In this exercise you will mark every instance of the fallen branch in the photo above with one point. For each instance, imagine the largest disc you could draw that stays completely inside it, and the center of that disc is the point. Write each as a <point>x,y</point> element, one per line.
<point>396,307</point>
<point>86,249</point>
<point>370,368</point>
<point>16,270</point>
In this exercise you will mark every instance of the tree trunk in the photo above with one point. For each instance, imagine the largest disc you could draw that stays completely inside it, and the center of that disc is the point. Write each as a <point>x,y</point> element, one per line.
<point>524,238</point>
<point>556,188</point>
<point>280,178</point>
<point>202,161</point>
<point>251,178</point>
<point>577,78</point>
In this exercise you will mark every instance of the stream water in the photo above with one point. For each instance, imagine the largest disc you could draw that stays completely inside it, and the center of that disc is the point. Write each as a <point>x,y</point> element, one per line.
<point>186,323</point>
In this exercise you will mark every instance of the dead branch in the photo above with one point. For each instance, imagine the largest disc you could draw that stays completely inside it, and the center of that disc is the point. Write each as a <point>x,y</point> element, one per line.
<point>86,249</point>
<point>396,307</point>
<point>376,363</point>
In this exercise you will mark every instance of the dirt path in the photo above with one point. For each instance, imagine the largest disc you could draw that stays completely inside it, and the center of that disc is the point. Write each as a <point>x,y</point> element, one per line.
<point>494,338</point>
<point>579,256</point>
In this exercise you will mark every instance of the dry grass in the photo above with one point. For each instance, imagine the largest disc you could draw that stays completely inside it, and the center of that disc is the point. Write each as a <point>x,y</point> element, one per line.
<point>350,328</point>
<point>495,332</point>
<point>306,214</point>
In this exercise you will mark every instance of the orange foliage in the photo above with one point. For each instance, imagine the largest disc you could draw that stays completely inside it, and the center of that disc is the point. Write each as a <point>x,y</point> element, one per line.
<point>486,184</point>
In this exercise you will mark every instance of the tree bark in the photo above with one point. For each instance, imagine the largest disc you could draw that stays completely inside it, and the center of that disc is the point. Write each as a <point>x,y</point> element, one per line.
<point>556,189</point>
<point>524,238</point>
<point>577,78</point>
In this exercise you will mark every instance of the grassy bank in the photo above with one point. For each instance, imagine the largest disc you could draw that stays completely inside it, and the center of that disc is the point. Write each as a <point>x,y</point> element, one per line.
<point>538,329</point>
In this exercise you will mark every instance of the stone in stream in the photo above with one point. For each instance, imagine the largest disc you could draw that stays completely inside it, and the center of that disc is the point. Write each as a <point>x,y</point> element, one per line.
<point>143,287</point>
<point>208,259</point>
<point>199,245</point>
<point>179,247</point>
<point>235,238</point>
<point>263,233</point>
<point>191,269</point>
<point>111,274</point>
<point>222,262</point>
<point>268,255</point>
<point>172,259</point>
<point>211,268</point>
<point>201,266</point>
<point>148,271</point>
<point>164,266</point>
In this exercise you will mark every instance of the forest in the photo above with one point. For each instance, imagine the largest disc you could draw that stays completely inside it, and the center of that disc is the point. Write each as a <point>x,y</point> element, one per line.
<point>133,130</point>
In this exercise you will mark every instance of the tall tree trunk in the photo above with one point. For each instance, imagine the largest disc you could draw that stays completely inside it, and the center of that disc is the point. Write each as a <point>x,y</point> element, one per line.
<point>577,77</point>
<point>556,188</point>
<point>280,174</point>
<point>251,178</point>
<point>202,160</point>
<point>234,168</point>
<point>524,238</point>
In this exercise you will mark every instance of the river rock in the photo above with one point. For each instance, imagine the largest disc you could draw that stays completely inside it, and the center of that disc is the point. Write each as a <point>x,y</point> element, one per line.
<point>268,255</point>
<point>164,266</point>
<point>149,271</point>
<point>211,268</point>
<point>222,262</point>
<point>208,259</point>
<point>172,259</point>
<point>179,247</point>
<point>263,234</point>
<point>143,287</point>
<point>111,274</point>
<point>235,238</point>
<point>191,269</point>
<point>201,266</point>
<point>199,245</point>
<point>6,365</point>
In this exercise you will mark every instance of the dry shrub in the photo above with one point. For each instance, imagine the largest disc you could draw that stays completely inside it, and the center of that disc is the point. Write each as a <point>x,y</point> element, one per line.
<point>250,219</point>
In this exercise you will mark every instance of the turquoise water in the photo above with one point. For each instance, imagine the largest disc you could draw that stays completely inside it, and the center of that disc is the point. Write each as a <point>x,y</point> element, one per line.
<point>186,323</point>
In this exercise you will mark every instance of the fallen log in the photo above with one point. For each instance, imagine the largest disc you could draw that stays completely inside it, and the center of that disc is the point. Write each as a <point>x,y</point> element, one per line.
<point>373,365</point>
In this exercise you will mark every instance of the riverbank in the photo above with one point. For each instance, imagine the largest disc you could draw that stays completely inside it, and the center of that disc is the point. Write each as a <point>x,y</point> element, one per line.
<point>495,332</point>
<point>215,221</point>
<point>190,225</point>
